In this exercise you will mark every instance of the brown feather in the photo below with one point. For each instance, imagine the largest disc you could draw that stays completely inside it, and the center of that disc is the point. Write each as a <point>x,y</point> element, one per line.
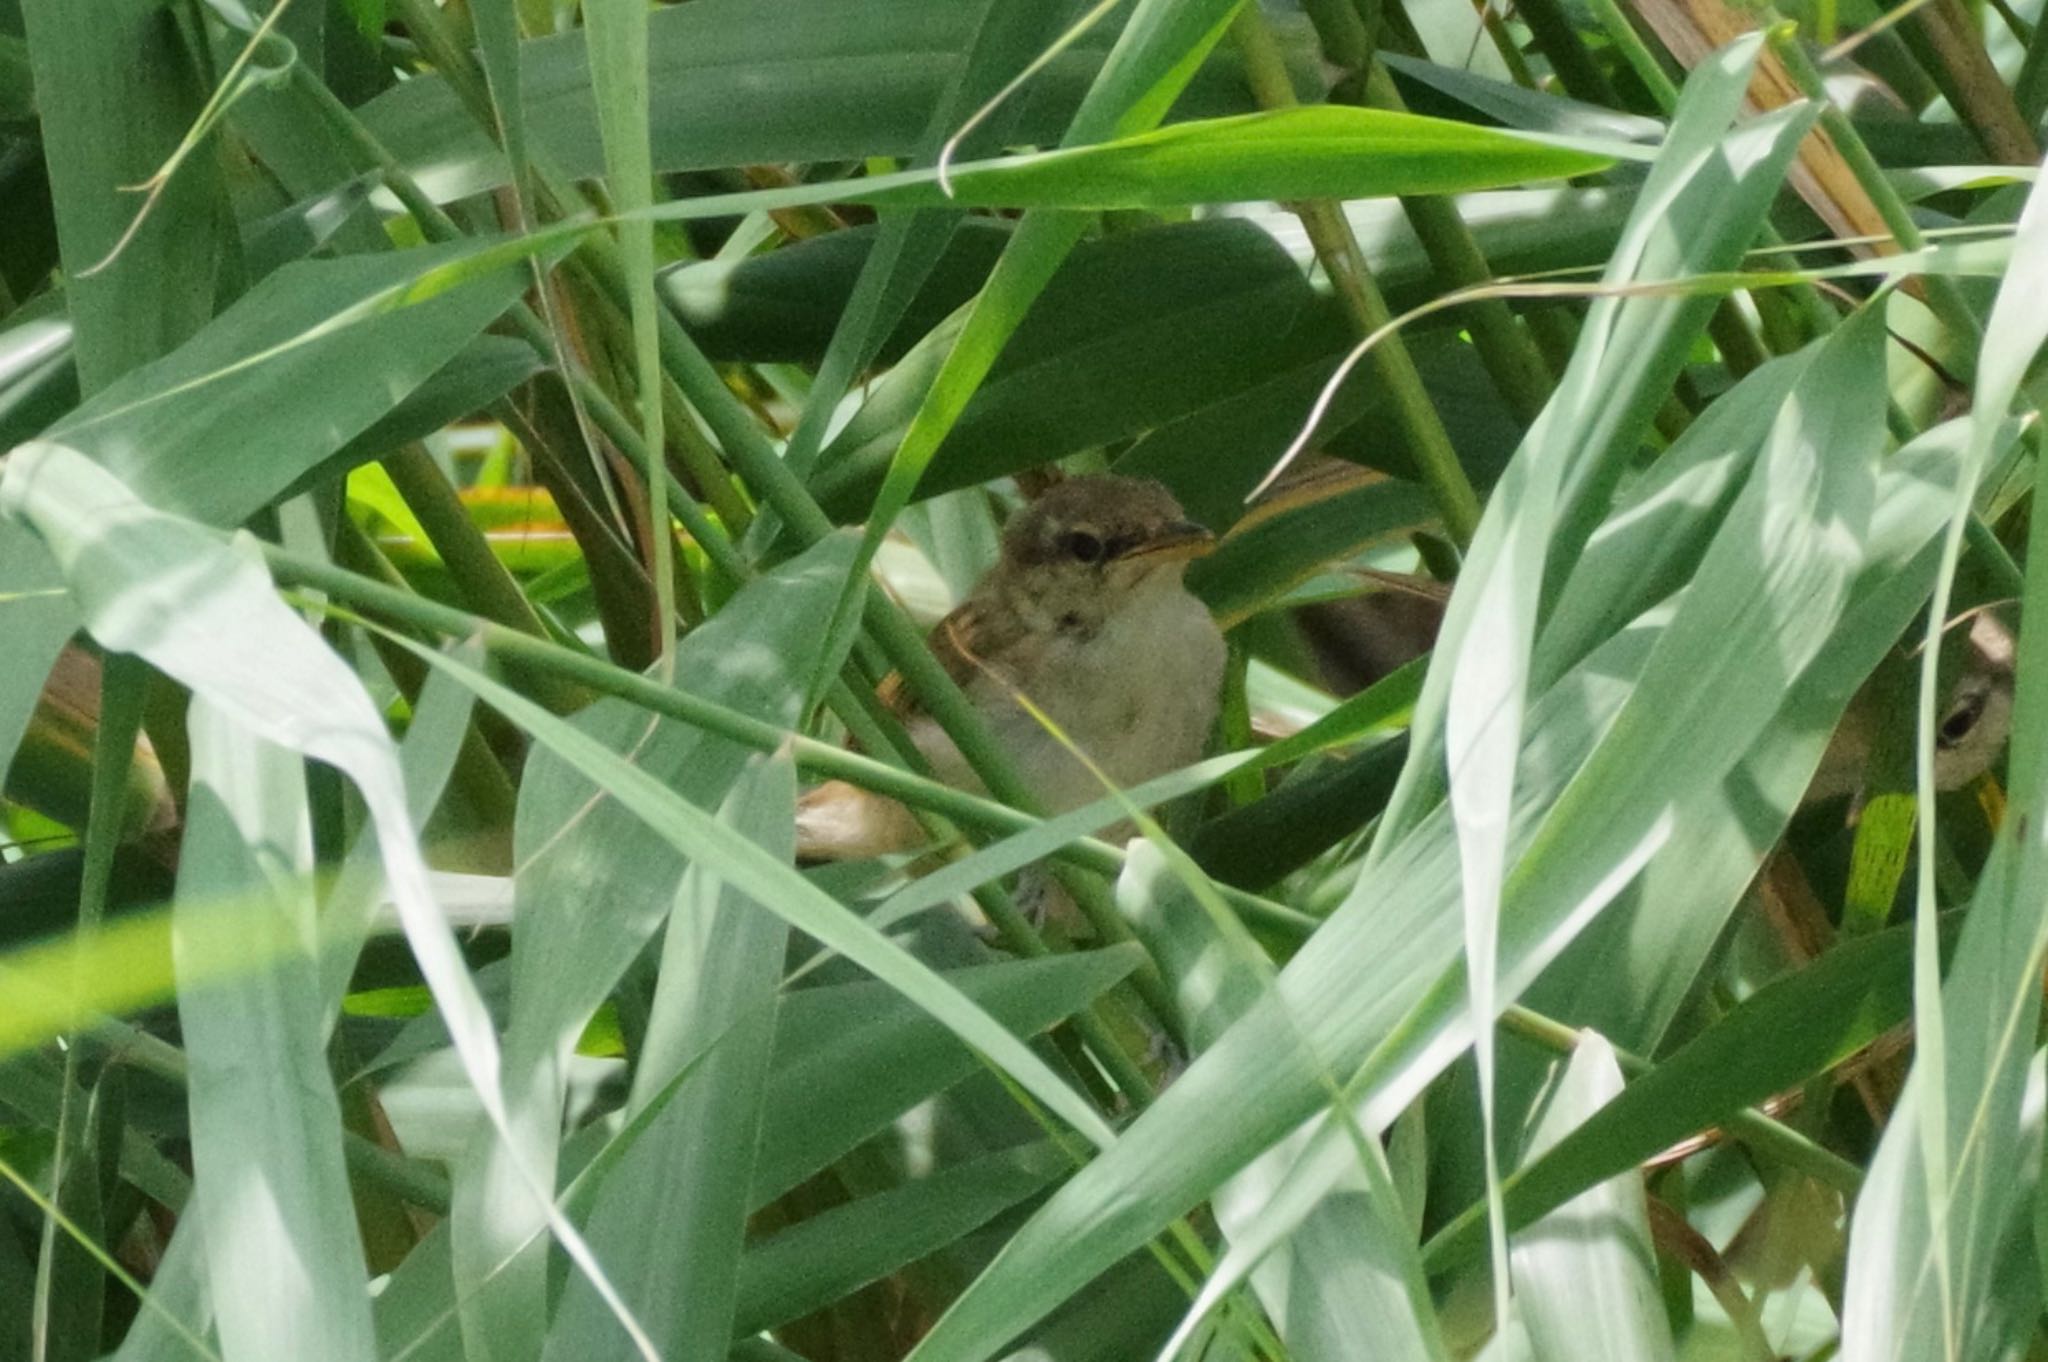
<point>841,822</point>
<point>972,632</point>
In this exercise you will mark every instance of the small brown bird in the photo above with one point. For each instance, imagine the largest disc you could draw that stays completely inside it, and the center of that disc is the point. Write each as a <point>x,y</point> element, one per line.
<point>1085,615</point>
<point>1971,726</point>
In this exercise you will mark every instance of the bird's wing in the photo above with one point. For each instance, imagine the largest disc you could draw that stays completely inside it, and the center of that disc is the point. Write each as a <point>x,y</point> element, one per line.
<point>964,642</point>
<point>838,821</point>
<point>841,822</point>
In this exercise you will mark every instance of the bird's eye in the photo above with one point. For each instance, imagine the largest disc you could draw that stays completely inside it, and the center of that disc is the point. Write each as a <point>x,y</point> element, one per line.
<point>1957,723</point>
<point>1083,546</point>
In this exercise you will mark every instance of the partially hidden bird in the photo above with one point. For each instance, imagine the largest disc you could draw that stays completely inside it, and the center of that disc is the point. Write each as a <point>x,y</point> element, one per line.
<point>1972,722</point>
<point>1084,618</point>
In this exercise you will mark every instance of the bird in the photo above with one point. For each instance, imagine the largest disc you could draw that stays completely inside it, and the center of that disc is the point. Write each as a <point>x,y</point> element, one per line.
<point>1970,729</point>
<point>1085,618</point>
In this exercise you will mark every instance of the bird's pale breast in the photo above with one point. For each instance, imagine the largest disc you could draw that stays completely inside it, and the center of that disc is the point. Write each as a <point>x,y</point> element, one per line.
<point>1138,695</point>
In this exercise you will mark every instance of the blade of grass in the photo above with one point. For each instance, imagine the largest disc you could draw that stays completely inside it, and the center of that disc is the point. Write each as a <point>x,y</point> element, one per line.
<point>1347,1282</point>
<point>266,1125</point>
<point>1491,626</point>
<point>116,95</point>
<point>671,1217</point>
<point>1584,1274</point>
<point>1337,250</point>
<point>618,71</point>
<point>1620,372</point>
<point>120,721</point>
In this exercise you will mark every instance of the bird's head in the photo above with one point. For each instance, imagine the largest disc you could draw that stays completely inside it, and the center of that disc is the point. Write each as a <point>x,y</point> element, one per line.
<point>1101,536</point>
<point>1973,715</point>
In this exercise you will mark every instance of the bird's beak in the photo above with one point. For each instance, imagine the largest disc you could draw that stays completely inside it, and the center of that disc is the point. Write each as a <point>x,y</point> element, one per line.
<point>1176,543</point>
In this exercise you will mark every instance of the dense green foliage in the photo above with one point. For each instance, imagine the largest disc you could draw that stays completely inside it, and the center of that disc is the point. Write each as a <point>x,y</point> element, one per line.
<point>464,468</point>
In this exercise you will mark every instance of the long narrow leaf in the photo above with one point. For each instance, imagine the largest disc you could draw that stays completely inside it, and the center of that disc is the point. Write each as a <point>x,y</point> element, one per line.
<point>284,1261</point>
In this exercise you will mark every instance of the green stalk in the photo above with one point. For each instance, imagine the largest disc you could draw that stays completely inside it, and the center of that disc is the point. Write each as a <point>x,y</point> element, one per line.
<point>1510,55</point>
<point>1511,357</point>
<point>1576,70</point>
<point>1742,350</point>
<point>1341,30</point>
<point>479,778</point>
<point>1636,53</point>
<point>123,682</point>
<point>700,460</point>
<point>2018,27</point>
<point>1965,74</point>
<point>1335,246</point>
<point>482,579</point>
<point>2030,89</point>
<point>617,38</point>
